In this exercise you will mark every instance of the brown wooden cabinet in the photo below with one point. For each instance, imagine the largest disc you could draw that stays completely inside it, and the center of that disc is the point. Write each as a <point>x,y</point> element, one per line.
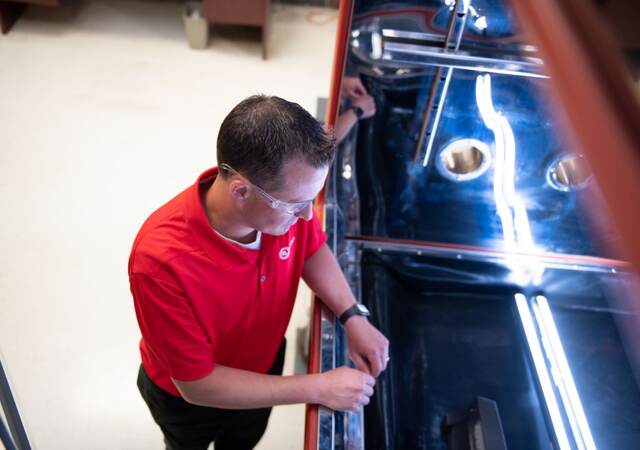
<point>255,13</point>
<point>10,12</point>
<point>240,12</point>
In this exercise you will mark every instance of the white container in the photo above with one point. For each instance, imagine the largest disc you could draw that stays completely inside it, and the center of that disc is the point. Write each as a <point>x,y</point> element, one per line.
<point>195,25</point>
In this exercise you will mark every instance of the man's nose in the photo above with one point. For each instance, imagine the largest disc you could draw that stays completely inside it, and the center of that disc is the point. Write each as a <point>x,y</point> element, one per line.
<point>306,213</point>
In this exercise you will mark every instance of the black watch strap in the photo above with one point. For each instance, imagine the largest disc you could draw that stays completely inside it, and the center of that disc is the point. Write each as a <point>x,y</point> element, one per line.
<point>359,111</point>
<point>356,310</point>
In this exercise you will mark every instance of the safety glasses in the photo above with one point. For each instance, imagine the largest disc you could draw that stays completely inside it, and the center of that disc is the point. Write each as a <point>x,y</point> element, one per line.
<point>289,208</point>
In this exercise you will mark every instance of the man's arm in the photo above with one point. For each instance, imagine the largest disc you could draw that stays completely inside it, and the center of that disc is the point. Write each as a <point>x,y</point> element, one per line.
<point>368,348</point>
<point>348,118</point>
<point>344,123</point>
<point>340,389</point>
<point>165,318</point>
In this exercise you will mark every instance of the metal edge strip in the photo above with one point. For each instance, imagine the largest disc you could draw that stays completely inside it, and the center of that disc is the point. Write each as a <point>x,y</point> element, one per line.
<point>552,260</point>
<point>313,414</point>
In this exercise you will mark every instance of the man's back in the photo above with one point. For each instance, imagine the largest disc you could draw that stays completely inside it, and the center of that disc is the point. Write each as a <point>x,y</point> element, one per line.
<point>201,299</point>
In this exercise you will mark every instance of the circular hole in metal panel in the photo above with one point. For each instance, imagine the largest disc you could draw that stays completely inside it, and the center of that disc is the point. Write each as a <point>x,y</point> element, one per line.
<point>464,159</point>
<point>569,173</point>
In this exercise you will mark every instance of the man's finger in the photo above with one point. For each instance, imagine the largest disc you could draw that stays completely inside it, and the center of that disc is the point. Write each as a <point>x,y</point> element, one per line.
<point>370,380</point>
<point>360,363</point>
<point>375,359</point>
<point>368,390</point>
<point>383,362</point>
<point>380,357</point>
<point>360,87</point>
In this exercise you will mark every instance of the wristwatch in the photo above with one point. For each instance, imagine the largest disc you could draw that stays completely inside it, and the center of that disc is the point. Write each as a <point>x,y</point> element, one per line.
<point>359,111</point>
<point>356,310</point>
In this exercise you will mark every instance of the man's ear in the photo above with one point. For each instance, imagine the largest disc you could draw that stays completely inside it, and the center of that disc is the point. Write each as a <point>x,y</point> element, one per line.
<point>239,190</point>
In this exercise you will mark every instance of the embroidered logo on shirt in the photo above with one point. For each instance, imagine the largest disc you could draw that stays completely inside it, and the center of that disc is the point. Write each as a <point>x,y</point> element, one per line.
<point>285,251</point>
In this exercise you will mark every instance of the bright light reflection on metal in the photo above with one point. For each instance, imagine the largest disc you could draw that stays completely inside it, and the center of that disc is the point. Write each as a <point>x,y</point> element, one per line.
<point>346,171</point>
<point>376,45</point>
<point>541,370</point>
<point>562,374</point>
<point>466,4</point>
<point>511,209</point>
<point>491,120</point>
<point>556,375</point>
<point>481,23</point>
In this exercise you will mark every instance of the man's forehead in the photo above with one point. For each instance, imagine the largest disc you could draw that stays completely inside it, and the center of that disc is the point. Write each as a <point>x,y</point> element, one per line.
<point>301,181</point>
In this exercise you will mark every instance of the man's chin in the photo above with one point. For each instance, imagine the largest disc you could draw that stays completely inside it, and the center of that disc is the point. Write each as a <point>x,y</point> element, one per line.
<point>279,231</point>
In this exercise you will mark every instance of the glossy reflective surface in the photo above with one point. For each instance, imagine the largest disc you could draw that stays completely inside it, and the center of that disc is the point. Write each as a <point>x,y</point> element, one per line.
<point>462,342</point>
<point>467,220</point>
<point>467,212</point>
<point>455,337</point>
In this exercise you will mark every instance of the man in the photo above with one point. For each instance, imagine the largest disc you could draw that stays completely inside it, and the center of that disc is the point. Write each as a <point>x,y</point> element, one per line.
<point>214,275</point>
<point>356,104</point>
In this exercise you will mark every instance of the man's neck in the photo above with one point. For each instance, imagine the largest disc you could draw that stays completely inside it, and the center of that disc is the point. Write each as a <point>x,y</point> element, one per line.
<point>223,217</point>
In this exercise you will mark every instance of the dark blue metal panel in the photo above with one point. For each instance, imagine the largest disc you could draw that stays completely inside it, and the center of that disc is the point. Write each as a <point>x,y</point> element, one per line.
<point>461,325</point>
<point>402,199</point>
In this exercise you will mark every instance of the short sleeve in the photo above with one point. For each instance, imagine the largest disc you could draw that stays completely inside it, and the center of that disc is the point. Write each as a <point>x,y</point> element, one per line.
<point>316,237</point>
<point>170,328</point>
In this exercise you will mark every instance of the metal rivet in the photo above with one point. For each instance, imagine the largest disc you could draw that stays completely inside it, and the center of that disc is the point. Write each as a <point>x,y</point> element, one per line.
<point>263,278</point>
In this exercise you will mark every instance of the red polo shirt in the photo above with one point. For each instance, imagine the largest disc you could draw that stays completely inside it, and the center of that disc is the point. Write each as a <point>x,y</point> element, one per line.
<point>202,300</point>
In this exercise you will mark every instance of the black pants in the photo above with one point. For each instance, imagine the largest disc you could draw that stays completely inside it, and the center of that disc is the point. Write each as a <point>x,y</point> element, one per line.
<point>191,427</point>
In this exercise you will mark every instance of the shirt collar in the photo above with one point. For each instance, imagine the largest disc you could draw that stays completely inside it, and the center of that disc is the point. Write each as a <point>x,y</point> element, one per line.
<point>222,252</point>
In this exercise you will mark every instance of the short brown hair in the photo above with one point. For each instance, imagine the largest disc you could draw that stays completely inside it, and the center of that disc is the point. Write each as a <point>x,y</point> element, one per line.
<point>262,133</point>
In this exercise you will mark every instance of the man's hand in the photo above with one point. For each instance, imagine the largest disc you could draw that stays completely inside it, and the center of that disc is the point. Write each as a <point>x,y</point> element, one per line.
<point>367,104</point>
<point>368,348</point>
<point>353,88</point>
<point>342,389</point>
<point>345,389</point>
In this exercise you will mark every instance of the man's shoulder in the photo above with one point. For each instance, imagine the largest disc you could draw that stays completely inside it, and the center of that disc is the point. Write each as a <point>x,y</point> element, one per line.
<point>164,236</point>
